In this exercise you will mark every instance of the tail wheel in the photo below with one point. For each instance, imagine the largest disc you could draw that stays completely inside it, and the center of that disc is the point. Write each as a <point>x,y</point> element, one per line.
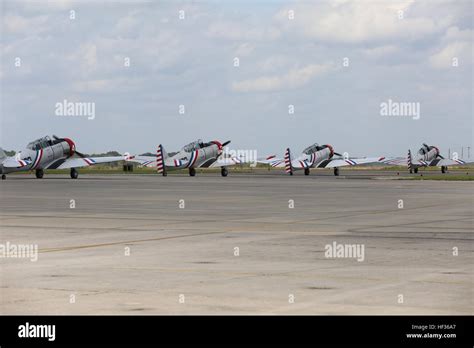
<point>74,173</point>
<point>192,172</point>
<point>39,173</point>
<point>224,171</point>
<point>444,169</point>
<point>336,171</point>
<point>4,176</point>
<point>306,171</point>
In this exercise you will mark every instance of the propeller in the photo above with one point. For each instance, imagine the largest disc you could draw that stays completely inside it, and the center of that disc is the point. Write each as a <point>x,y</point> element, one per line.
<point>80,154</point>
<point>226,143</point>
<point>337,154</point>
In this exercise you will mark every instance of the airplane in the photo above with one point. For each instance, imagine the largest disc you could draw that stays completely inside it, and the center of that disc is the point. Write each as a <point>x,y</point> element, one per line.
<point>428,156</point>
<point>316,156</point>
<point>196,154</point>
<point>47,153</point>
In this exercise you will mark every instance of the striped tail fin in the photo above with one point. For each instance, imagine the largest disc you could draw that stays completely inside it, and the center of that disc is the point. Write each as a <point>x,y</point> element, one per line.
<point>409,162</point>
<point>160,160</point>
<point>288,167</point>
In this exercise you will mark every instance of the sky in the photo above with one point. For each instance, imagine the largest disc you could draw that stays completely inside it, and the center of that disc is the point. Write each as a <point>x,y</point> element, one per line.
<point>331,62</point>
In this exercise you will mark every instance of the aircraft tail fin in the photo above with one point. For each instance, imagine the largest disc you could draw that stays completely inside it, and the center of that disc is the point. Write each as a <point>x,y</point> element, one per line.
<point>161,155</point>
<point>288,166</point>
<point>2,154</point>
<point>409,161</point>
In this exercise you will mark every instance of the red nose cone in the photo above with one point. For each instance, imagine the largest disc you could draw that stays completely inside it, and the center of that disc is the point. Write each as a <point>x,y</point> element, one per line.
<point>330,149</point>
<point>219,145</point>
<point>72,146</point>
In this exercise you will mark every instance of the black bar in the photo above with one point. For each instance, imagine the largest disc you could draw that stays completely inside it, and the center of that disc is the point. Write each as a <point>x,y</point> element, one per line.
<point>224,330</point>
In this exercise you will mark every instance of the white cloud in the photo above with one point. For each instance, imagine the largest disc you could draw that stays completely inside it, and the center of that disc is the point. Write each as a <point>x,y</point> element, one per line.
<point>241,31</point>
<point>19,24</point>
<point>459,50</point>
<point>455,44</point>
<point>361,21</point>
<point>381,51</point>
<point>294,78</point>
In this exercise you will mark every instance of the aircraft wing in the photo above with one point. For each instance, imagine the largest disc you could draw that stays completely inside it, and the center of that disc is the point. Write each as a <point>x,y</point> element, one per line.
<point>443,162</point>
<point>88,161</point>
<point>225,162</point>
<point>273,161</point>
<point>396,161</point>
<point>147,161</point>
<point>12,162</point>
<point>151,162</point>
<point>341,162</point>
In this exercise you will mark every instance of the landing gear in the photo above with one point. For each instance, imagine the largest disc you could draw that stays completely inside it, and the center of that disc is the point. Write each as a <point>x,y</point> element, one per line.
<point>74,173</point>
<point>411,171</point>
<point>192,172</point>
<point>415,170</point>
<point>4,176</point>
<point>444,169</point>
<point>306,171</point>
<point>224,171</point>
<point>336,171</point>
<point>39,173</point>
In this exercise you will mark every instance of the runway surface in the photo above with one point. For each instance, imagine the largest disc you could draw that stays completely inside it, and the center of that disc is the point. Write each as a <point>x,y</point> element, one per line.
<point>146,244</point>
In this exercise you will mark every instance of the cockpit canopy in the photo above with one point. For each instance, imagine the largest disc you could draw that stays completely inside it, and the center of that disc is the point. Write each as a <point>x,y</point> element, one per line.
<point>425,149</point>
<point>40,143</point>
<point>313,148</point>
<point>195,145</point>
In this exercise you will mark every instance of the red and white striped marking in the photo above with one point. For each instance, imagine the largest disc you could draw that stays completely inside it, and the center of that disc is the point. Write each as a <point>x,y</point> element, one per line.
<point>159,160</point>
<point>288,168</point>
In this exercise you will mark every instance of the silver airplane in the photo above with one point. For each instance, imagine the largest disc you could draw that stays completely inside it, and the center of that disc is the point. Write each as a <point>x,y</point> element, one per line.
<point>428,156</point>
<point>316,156</point>
<point>47,153</point>
<point>193,155</point>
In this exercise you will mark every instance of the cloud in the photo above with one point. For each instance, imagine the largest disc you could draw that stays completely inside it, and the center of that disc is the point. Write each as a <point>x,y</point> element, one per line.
<point>241,31</point>
<point>381,51</point>
<point>459,51</point>
<point>361,21</point>
<point>20,24</point>
<point>294,78</point>
<point>455,44</point>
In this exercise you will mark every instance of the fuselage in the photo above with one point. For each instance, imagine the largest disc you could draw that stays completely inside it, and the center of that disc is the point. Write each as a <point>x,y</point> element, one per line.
<point>197,155</point>
<point>427,153</point>
<point>313,155</point>
<point>42,153</point>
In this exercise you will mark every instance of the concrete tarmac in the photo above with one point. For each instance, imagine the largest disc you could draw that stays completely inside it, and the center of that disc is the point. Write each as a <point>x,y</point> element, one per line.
<point>245,244</point>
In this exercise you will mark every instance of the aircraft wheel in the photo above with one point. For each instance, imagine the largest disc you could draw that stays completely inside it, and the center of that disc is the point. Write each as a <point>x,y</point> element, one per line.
<point>39,173</point>
<point>74,173</point>
<point>336,171</point>
<point>415,170</point>
<point>411,171</point>
<point>165,173</point>
<point>192,172</point>
<point>444,169</point>
<point>306,171</point>
<point>4,176</point>
<point>224,171</point>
